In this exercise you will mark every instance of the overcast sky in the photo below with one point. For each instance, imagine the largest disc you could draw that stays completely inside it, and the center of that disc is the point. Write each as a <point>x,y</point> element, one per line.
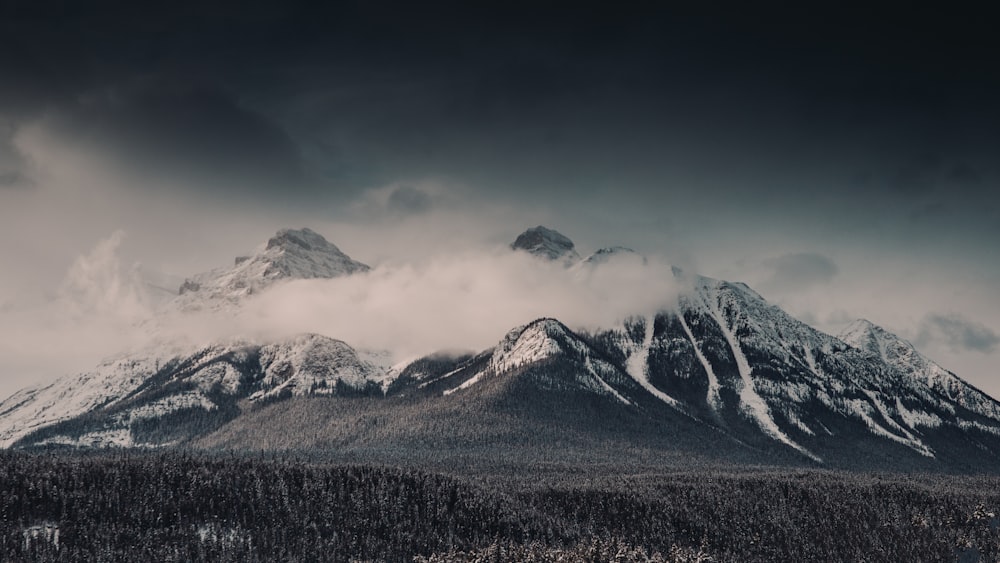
<point>841,161</point>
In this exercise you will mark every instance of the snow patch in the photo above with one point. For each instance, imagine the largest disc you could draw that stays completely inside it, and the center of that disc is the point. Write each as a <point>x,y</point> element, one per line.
<point>637,367</point>
<point>914,418</point>
<point>604,384</point>
<point>794,419</point>
<point>167,405</point>
<point>712,396</point>
<point>47,532</point>
<point>114,438</point>
<point>863,410</point>
<point>465,384</point>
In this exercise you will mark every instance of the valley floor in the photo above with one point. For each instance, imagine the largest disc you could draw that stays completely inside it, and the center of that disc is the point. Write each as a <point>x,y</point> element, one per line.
<point>130,505</point>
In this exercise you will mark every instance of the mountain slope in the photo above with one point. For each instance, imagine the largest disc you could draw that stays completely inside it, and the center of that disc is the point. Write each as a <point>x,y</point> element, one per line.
<point>900,354</point>
<point>734,360</point>
<point>31,409</point>
<point>542,395</point>
<point>191,394</point>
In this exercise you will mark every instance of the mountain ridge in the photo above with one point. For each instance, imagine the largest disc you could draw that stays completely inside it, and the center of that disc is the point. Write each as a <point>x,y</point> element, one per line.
<point>722,363</point>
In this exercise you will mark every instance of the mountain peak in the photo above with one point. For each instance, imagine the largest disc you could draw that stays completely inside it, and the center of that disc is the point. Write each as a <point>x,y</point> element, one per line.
<point>867,336</point>
<point>303,238</point>
<point>289,254</point>
<point>905,358</point>
<point>532,342</point>
<point>546,243</point>
<point>863,324</point>
<point>305,254</point>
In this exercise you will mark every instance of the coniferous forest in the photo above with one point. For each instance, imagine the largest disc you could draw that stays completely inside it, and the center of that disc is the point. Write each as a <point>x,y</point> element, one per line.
<point>135,506</point>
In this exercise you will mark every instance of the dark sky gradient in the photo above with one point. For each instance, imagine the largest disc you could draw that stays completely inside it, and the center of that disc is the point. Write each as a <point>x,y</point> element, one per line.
<point>841,157</point>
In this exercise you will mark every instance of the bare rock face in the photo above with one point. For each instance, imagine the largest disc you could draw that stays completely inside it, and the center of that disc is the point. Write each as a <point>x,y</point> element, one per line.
<point>546,243</point>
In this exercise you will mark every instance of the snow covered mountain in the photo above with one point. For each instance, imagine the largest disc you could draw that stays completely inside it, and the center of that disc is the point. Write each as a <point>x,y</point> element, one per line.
<point>728,360</point>
<point>289,254</point>
<point>721,373</point>
<point>159,402</point>
<point>733,358</point>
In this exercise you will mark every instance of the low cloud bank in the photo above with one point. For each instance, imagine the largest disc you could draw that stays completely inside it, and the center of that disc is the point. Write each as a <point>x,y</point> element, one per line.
<point>96,311</point>
<point>467,301</point>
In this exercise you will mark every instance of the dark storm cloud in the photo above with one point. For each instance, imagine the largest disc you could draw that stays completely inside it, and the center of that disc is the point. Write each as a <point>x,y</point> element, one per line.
<point>156,127</point>
<point>957,332</point>
<point>799,271</point>
<point>745,106</point>
<point>147,87</point>
<point>720,132</point>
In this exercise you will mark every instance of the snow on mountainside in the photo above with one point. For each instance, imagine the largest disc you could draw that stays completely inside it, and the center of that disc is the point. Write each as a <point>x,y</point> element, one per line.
<point>34,408</point>
<point>314,364</point>
<point>790,376</point>
<point>718,304</point>
<point>548,244</point>
<point>543,340</point>
<point>208,385</point>
<point>804,375</point>
<point>728,357</point>
<point>290,254</point>
<point>866,336</point>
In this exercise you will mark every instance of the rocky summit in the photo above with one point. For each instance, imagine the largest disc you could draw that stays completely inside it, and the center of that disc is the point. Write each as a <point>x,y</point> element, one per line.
<point>546,243</point>
<point>289,254</point>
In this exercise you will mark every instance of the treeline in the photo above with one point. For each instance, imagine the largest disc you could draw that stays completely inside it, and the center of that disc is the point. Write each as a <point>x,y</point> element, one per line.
<point>789,516</point>
<point>182,507</point>
<point>592,551</point>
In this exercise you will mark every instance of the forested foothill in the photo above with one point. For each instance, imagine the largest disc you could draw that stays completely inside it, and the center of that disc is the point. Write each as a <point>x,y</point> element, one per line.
<point>185,506</point>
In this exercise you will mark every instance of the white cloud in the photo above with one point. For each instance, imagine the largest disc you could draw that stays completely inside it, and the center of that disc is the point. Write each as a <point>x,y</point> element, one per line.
<point>464,301</point>
<point>93,314</point>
